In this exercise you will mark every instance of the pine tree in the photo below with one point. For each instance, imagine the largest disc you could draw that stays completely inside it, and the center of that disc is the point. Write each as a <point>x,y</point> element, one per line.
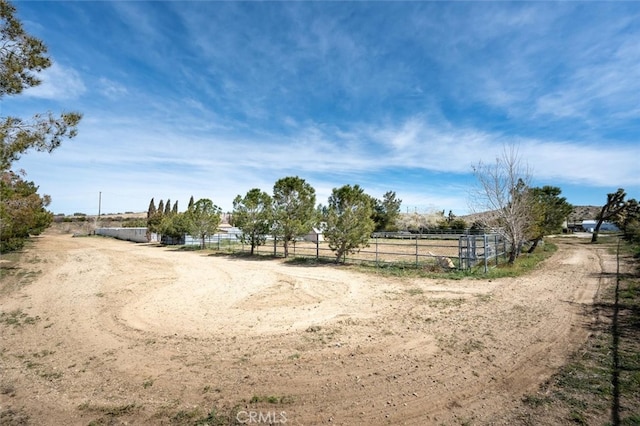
<point>348,222</point>
<point>294,209</point>
<point>167,207</point>
<point>22,57</point>
<point>253,215</point>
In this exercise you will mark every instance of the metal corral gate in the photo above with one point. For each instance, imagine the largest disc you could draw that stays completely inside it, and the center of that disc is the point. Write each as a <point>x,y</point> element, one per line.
<point>486,249</point>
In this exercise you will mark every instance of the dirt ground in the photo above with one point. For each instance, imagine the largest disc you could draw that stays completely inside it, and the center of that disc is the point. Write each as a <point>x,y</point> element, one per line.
<point>100,331</point>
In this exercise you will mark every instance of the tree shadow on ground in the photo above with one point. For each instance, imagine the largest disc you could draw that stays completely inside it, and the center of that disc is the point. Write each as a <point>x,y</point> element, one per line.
<point>245,256</point>
<point>623,327</point>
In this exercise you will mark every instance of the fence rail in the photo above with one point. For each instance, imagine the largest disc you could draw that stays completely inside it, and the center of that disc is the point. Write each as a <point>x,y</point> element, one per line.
<point>446,251</point>
<point>437,250</point>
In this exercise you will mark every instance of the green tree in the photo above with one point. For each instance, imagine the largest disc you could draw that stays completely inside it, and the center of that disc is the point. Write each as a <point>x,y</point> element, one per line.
<point>152,208</point>
<point>154,219</point>
<point>21,57</point>
<point>386,212</point>
<point>614,207</point>
<point>293,209</point>
<point>444,222</point>
<point>348,222</point>
<point>451,221</point>
<point>629,221</point>
<point>549,211</point>
<point>22,211</point>
<point>458,224</point>
<point>203,219</point>
<point>253,215</point>
<point>170,222</point>
<point>175,225</point>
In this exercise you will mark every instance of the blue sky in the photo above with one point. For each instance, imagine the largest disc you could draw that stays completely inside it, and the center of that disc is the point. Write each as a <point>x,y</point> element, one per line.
<point>211,99</point>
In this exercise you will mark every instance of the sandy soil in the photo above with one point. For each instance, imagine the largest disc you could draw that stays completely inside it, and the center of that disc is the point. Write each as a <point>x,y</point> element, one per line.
<point>113,332</point>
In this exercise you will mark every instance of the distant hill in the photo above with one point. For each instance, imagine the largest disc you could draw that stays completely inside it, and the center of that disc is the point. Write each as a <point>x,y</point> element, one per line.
<point>579,214</point>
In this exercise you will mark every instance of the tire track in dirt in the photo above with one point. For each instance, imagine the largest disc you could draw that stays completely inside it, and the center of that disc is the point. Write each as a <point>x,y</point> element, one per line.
<point>138,324</point>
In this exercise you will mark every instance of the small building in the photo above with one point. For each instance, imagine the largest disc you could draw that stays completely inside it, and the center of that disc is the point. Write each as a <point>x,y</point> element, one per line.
<point>315,236</point>
<point>590,226</point>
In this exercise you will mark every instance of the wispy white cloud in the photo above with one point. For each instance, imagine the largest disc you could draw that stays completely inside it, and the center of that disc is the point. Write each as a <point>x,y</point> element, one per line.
<point>213,99</point>
<point>143,164</point>
<point>602,86</point>
<point>112,89</point>
<point>416,144</point>
<point>59,82</point>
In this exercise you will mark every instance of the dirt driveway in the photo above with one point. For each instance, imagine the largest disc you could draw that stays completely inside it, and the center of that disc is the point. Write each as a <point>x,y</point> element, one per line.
<point>111,332</point>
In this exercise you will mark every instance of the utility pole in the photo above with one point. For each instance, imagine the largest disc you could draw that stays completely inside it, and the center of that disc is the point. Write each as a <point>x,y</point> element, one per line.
<point>99,209</point>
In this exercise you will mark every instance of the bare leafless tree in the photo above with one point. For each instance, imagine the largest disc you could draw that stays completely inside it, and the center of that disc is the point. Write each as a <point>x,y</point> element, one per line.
<point>502,198</point>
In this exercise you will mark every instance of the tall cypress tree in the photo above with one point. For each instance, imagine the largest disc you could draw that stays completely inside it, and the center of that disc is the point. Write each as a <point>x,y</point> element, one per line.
<point>154,218</point>
<point>152,208</point>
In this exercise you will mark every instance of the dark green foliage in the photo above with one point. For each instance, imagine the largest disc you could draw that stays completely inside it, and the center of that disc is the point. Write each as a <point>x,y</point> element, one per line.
<point>348,220</point>
<point>629,221</point>
<point>458,224</point>
<point>174,225</point>
<point>22,211</point>
<point>21,57</point>
<point>293,209</point>
<point>154,218</point>
<point>452,222</point>
<point>548,211</point>
<point>614,207</point>
<point>254,216</point>
<point>152,208</point>
<point>203,219</point>
<point>386,212</point>
<point>42,133</point>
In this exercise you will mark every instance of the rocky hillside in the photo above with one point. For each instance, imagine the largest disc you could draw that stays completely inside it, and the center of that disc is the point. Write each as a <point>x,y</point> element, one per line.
<point>581,213</point>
